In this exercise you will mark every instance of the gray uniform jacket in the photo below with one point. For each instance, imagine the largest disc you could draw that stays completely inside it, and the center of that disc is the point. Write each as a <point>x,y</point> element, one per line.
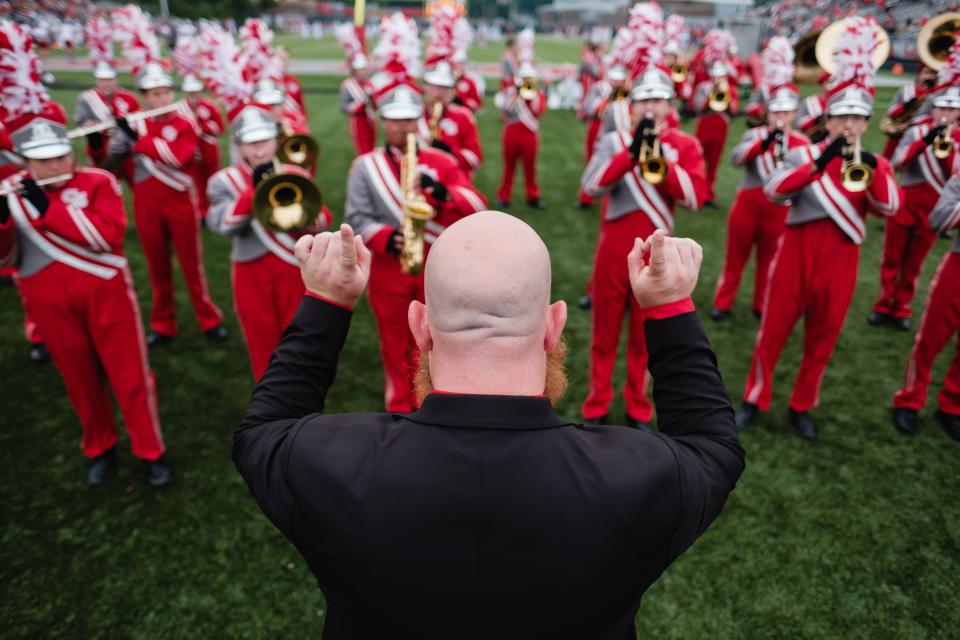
<point>946,215</point>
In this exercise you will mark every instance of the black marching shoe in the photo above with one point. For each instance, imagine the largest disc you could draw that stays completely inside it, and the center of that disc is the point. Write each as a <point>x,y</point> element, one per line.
<point>159,473</point>
<point>6,281</point>
<point>39,353</point>
<point>582,205</point>
<point>155,340</point>
<point>803,424</point>
<point>585,302</point>
<point>757,314</point>
<point>875,319</point>
<point>745,415</point>
<point>534,203</point>
<point>710,204</point>
<point>503,204</point>
<point>901,324</point>
<point>101,467</point>
<point>718,315</point>
<point>633,423</point>
<point>950,423</point>
<point>905,420</point>
<point>217,334</point>
<point>595,422</point>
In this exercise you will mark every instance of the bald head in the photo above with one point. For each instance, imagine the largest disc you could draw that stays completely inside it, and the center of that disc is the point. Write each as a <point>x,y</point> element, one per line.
<point>488,276</point>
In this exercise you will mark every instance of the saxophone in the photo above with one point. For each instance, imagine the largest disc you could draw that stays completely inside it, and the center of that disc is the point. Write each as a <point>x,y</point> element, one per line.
<point>416,211</point>
<point>434,123</point>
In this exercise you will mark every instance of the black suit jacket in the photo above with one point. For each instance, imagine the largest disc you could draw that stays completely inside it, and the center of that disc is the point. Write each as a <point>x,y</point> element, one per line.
<point>486,517</point>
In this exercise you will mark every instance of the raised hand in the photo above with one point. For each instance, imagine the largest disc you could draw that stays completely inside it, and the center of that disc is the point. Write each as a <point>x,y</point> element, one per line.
<point>834,150</point>
<point>334,265</point>
<point>670,271</point>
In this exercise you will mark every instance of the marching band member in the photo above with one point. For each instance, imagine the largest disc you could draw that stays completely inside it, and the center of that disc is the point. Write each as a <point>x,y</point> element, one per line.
<point>264,272</point>
<point>447,126</point>
<point>356,92</point>
<point>907,107</point>
<point>713,116</point>
<point>520,139</point>
<point>509,64</point>
<point>673,29</point>
<point>164,148</point>
<point>926,157</point>
<point>814,271</point>
<point>604,94</point>
<point>941,320</point>
<point>290,121</point>
<point>208,118</point>
<point>470,86</point>
<point>106,101</point>
<point>755,220</point>
<point>810,115</point>
<point>375,209</point>
<point>634,208</point>
<point>65,226</point>
<point>591,66</point>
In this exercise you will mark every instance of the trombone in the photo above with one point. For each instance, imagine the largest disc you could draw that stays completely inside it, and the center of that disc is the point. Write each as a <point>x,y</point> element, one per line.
<point>297,148</point>
<point>652,167</point>
<point>136,116</point>
<point>286,202</point>
<point>18,187</point>
<point>856,175</point>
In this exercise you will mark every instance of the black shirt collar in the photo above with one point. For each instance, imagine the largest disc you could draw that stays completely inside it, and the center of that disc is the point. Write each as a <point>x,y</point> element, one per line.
<point>487,412</point>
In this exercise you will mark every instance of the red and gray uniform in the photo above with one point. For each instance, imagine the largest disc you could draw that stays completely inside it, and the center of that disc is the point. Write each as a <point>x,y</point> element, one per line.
<point>712,128</point>
<point>812,110</point>
<point>78,288</point>
<point>594,107</point>
<point>591,70</point>
<point>94,104</point>
<point>264,271</point>
<point>166,211</point>
<point>814,271</point>
<point>941,318</point>
<point>469,91</point>
<point>356,100</point>
<point>908,236</point>
<point>754,219</point>
<point>520,140</point>
<point>458,130</point>
<point>633,209</point>
<point>898,105</point>
<point>207,162</point>
<point>508,70</point>
<point>294,94</point>
<point>374,208</point>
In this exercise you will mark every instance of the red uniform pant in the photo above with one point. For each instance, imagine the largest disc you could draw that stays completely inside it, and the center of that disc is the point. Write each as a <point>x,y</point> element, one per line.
<point>208,163</point>
<point>266,294</point>
<point>890,146</point>
<point>164,217</point>
<point>612,300</point>
<point>712,133</point>
<point>519,143</point>
<point>907,239</point>
<point>753,221</point>
<point>593,131</point>
<point>95,337</point>
<point>363,132</point>
<point>813,276</point>
<point>30,330</point>
<point>941,320</point>
<point>390,293</point>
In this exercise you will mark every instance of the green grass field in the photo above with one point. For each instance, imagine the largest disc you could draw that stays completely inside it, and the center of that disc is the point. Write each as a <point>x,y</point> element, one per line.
<point>854,535</point>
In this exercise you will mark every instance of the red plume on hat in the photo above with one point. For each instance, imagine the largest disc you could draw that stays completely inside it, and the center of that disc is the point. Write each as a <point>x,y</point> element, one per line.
<point>348,39</point>
<point>256,42</point>
<point>853,55</point>
<point>646,48</point>
<point>717,44</point>
<point>139,43</point>
<point>778,66</point>
<point>221,65</point>
<point>398,51</point>
<point>21,90</point>
<point>186,57</point>
<point>443,19</point>
<point>99,37</point>
<point>673,30</point>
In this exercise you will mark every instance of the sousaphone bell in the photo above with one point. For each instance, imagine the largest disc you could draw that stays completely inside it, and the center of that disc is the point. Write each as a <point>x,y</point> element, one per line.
<point>287,202</point>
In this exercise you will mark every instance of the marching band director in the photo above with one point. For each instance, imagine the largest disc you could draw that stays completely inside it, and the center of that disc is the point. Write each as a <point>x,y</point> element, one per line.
<point>484,514</point>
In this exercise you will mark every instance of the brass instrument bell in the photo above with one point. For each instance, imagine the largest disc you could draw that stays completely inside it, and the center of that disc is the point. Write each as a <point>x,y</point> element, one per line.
<point>287,202</point>
<point>719,99</point>
<point>856,175</point>
<point>653,169</point>
<point>943,144</point>
<point>416,211</point>
<point>678,72</point>
<point>528,89</point>
<point>299,149</point>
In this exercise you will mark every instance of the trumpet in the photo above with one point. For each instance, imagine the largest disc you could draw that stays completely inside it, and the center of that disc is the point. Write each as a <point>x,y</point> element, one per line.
<point>678,72</point>
<point>619,92</point>
<point>719,99</point>
<point>856,175</point>
<point>434,123</point>
<point>297,148</point>
<point>286,202</point>
<point>528,89</point>
<point>18,187</point>
<point>943,143</point>
<point>416,211</point>
<point>652,167</point>
<point>136,116</point>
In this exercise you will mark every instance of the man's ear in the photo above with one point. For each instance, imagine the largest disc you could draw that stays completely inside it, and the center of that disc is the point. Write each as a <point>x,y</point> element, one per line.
<point>419,327</point>
<point>556,320</point>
